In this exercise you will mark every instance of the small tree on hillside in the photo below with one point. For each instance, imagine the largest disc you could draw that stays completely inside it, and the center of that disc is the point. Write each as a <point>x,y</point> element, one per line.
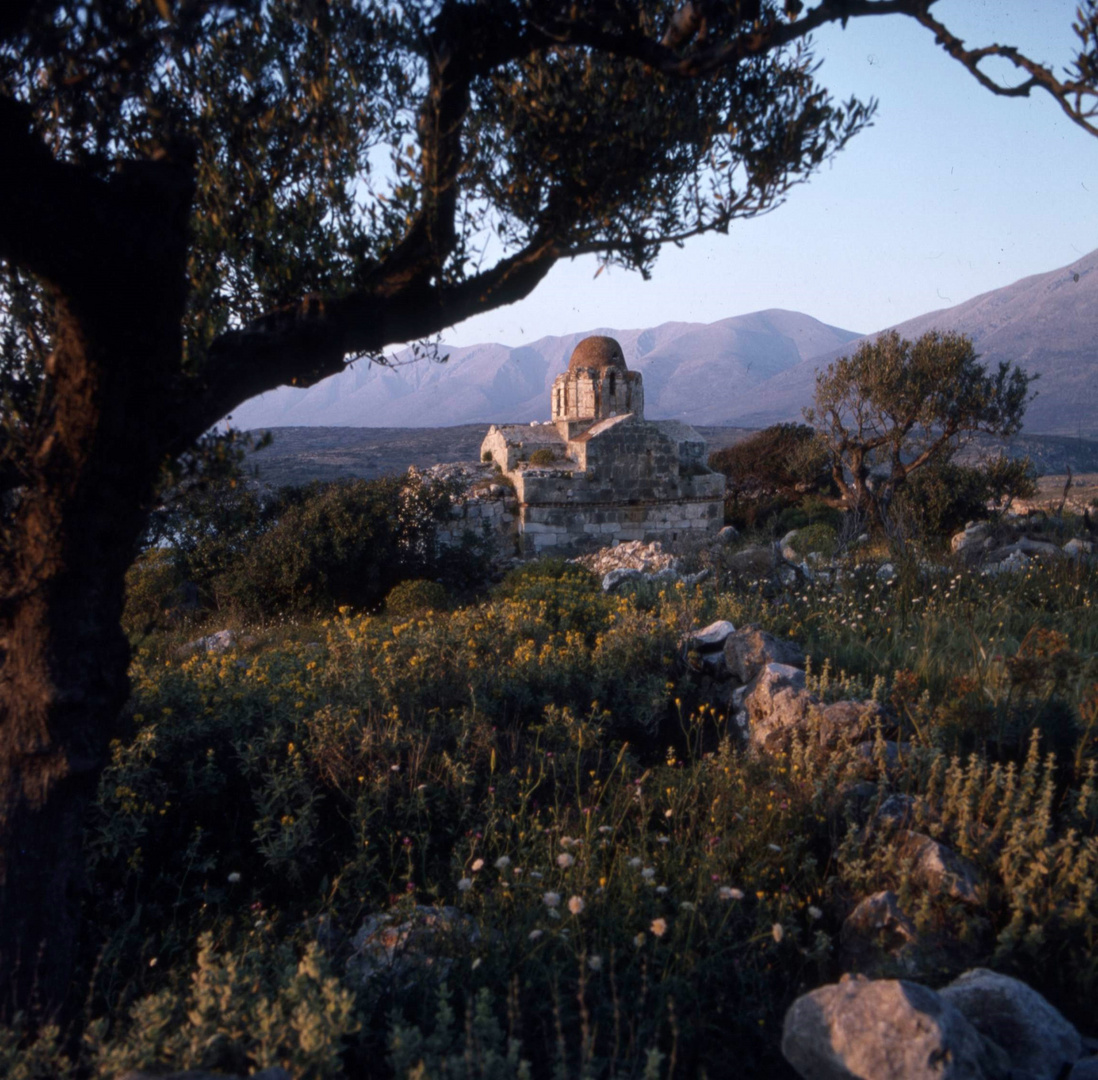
<point>896,405</point>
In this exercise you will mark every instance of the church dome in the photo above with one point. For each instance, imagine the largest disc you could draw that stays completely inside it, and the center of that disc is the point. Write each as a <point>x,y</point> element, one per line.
<point>597,352</point>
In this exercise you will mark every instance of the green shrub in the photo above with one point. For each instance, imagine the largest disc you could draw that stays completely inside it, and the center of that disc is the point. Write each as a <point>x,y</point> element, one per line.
<point>157,594</point>
<point>940,498</point>
<point>819,537</point>
<point>415,597</point>
<point>543,456</point>
<point>790,517</point>
<point>345,543</point>
<point>770,471</point>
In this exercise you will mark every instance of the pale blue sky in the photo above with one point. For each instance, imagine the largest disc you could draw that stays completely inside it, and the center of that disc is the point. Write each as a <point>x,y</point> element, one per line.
<point>951,193</point>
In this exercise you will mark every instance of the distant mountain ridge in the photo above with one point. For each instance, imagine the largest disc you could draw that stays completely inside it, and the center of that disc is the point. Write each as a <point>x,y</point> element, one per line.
<point>1046,324</point>
<point>682,363</point>
<point>748,370</point>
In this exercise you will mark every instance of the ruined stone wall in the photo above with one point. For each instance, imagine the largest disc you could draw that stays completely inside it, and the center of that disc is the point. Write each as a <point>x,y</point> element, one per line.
<point>627,486</point>
<point>484,510</point>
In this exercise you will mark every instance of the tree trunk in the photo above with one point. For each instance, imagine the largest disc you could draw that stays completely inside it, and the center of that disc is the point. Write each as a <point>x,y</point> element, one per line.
<point>63,655</point>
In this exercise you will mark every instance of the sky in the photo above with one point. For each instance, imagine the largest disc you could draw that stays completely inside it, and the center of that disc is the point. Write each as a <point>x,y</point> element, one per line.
<point>951,193</point>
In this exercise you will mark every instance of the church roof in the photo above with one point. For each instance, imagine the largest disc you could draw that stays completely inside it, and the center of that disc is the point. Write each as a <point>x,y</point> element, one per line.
<point>597,352</point>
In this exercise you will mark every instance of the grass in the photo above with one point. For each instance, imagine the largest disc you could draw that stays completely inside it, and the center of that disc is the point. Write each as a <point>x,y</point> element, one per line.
<point>517,839</point>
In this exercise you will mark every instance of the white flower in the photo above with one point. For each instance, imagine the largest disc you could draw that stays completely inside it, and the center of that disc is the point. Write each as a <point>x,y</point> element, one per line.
<point>776,931</point>
<point>661,890</point>
<point>550,899</point>
<point>534,935</point>
<point>566,842</point>
<point>234,878</point>
<point>606,828</point>
<point>659,927</point>
<point>553,913</point>
<point>478,864</point>
<point>564,860</point>
<point>634,862</point>
<point>686,905</point>
<point>576,905</point>
<point>668,813</point>
<point>726,892</point>
<point>648,873</point>
<point>595,962</point>
<point>534,874</point>
<point>465,884</point>
<point>476,963</point>
<point>639,939</point>
<point>774,847</point>
<point>814,912</point>
<point>664,840</point>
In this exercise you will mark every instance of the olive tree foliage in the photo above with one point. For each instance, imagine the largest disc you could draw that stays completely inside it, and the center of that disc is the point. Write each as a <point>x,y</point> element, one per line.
<point>897,406</point>
<point>207,199</point>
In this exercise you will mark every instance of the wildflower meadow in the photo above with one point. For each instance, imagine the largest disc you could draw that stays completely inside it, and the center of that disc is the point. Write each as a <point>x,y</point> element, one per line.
<point>521,835</point>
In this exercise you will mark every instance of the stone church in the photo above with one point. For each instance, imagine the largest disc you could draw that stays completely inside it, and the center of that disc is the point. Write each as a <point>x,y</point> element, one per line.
<point>598,472</point>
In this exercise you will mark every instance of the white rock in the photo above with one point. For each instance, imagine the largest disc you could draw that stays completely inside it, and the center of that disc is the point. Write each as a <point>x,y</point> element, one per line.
<point>885,1029</point>
<point>1040,1042</point>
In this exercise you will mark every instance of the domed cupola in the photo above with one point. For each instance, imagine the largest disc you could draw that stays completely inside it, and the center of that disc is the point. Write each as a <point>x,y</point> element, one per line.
<point>597,385</point>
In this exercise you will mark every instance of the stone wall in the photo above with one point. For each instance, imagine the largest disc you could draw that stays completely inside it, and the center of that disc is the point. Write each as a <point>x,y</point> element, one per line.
<point>483,509</point>
<point>573,527</point>
<point>629,485</point>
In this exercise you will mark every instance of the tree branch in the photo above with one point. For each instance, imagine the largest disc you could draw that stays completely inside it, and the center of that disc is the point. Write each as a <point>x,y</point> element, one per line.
<point>302,344</point>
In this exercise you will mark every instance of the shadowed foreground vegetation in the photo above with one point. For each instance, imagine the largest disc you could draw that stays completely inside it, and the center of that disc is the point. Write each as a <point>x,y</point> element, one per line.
<point>517,839</point>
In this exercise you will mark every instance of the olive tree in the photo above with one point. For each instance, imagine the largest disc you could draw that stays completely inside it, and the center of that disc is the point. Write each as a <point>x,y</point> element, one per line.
<point>896,406</point>
<point>207,199</point>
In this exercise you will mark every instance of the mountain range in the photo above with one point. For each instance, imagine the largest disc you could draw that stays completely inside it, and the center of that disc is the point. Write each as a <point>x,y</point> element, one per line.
<point>747,371</point>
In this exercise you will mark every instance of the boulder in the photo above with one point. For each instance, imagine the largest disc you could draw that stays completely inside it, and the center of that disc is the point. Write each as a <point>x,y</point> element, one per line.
<point>1030,549</point>
<point>712,637</point>
<point>787,540</point>
<point>614,578</point>
<point>886,1029</point>
<point>877,926</point>
<point>708,644</point>
<point>1011,564</point>
<point>1078,549</point>
<point>938,868</point>
<point>898,810</point>
<point>399,950</point>
<point>752,561</point>
<point>886,573</point>
<point>1040,1042</point>
<point>220,642</point>
<point>850,721</point>
<point>776,705</point>
<point>748,650</point>
<point>894,752</point>
<point>728,534</point>
<point>1085,1069</point>
<point>975,536</point>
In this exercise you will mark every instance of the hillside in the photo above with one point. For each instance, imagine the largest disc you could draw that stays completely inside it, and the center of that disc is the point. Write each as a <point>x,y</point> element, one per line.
<point>1046,324</point>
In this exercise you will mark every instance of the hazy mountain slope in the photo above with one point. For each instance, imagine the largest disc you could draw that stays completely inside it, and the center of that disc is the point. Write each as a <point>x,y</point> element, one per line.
<point>690,371</point>
<point>1047,324</point>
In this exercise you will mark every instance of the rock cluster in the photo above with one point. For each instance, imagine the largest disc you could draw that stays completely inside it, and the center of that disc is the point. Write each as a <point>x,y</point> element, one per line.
<point>1010,546</point>
<point>982,1026</point>
<point>762,682</point>
<point>636,561</point>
